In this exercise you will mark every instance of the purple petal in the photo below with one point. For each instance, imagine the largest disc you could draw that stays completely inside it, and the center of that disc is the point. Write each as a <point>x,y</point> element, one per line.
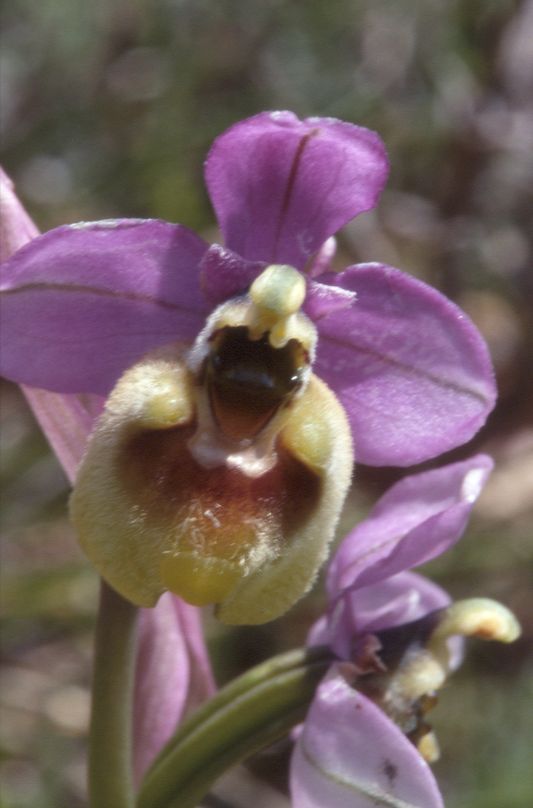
<point>417,519</point>
<point>350,755</point>
<point>16,227</point>
<point>173,675</point>
<point>322,300</point>
<point>322,261</point>
<point>201,684</point>
<point>224,274</point>
<point>161,681</point>
<point>280,186</point>
<point>319,633</point>
<point>400,599</point>
<point>66,420</point>
<point>83,302</point>
<point>411,370</point>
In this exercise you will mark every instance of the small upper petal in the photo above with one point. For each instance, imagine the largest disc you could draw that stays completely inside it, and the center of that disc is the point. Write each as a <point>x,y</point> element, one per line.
<point>83,302</point>
<point>224,274</point>
<point>417,519</point>
<point>411,370</point>
<point>280,186</point>
<point>323,299</point>
<point>351,755</point>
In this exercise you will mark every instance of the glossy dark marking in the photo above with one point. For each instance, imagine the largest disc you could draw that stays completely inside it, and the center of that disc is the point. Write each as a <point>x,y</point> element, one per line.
<point>249,380</point>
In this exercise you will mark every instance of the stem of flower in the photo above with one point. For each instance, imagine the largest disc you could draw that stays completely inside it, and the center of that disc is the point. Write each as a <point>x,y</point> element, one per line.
<point>110,739</point>
<point>250,713</point>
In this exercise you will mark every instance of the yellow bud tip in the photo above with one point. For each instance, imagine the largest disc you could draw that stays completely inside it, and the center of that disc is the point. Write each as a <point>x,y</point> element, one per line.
<point>279,290</point>
<point>483,618</point>
<point>428,746</point>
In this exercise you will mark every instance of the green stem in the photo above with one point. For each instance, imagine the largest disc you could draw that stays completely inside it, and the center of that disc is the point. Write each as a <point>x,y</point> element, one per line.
<point>248,714</point>
<point>110,739</point>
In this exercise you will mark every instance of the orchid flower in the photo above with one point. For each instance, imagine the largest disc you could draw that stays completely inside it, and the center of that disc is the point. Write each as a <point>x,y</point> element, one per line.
<point>365,740</point>
<point>173,672</point>
<point>238,376</point>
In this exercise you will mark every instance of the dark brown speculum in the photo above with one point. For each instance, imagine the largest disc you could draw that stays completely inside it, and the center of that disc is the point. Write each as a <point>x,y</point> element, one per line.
<point>249,380</point>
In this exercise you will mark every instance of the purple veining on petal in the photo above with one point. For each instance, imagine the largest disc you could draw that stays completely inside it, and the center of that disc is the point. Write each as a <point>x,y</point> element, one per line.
<point>280,186</point>
<point>351,755</point>
<point>94,297</point>
<point>417,519</point>
<point>411,370</point>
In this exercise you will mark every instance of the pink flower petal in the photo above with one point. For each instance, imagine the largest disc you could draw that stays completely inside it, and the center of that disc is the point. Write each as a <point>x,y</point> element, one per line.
<point>94,297</point>
<point>322,261</point>
<point>16,227</point>
<point>416,520</point>
<point>281,186</point>
<point>224,274</point>
<point>322,299</point>
<point>65,420</point>
<point>397,600</point>
<point>173,675</point>
<point>161,681</point>
<point>350,755</point>
<point>411,370</point>
<point>201,683</point>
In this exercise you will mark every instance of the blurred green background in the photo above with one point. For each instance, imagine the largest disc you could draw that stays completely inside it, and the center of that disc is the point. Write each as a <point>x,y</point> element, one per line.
<point>108,108</point>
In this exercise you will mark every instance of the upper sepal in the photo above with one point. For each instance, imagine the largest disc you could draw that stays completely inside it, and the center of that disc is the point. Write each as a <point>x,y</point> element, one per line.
<point>281,187</point>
